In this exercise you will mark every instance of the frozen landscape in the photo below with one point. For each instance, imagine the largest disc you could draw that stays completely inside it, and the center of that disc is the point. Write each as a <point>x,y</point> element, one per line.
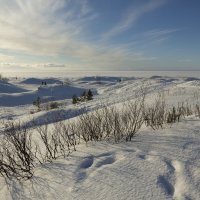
<point>162,161</point>
<point>99,100</point>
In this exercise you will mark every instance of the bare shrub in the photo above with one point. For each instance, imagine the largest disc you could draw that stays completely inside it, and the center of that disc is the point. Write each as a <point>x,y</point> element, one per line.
<point>182,109</point>
<point>107,119</point>
<point>87,127</point>
<point>155,115</point>
<point>59,141</point>
<point>185,109</point>
<point>50,142</point>
<point>114,127</point>
<point>133,117</point>
<point>197,110</point>
<point>16,152</point>
<point>100,124</point>
<point>189,110</point>
<point>112,122</point>
<point>66,139</point>
<point>174,115</point>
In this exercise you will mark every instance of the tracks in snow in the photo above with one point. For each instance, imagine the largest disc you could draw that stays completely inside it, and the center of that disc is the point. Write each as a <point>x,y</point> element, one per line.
<point>169,168</point>
<point>171,175</point>
<point>89,165</point>
<point>173,181</point>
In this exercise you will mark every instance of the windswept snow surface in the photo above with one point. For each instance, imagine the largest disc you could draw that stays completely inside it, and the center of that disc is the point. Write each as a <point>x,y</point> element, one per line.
<point>155,165</point>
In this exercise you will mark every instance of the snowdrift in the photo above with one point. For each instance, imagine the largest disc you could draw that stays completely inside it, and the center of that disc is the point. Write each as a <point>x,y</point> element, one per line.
<point>36,81</point>
<point>10,88</point>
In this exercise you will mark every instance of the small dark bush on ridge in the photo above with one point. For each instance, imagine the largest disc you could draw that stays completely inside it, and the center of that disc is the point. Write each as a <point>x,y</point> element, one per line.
<point>86,96</point>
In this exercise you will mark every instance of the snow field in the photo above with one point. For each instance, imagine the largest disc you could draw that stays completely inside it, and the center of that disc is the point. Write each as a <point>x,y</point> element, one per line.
<point>160,164</point>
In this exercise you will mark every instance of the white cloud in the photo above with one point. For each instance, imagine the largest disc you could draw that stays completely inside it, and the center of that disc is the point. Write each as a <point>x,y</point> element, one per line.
<point>48,65</point>
<point>58,27</point>
<point>41,27</point>
<point>185,60</point>
<point>5,58</point>
<point>132,17</point>
<point>158,36</point>
<point>160,32</point>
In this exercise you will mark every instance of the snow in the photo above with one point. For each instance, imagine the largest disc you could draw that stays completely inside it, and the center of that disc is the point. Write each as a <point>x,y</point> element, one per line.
<point>38,81</point>
<point>10,88</point>
<point>155,165</point>
<point>46,93</point>
<point>159,165</point>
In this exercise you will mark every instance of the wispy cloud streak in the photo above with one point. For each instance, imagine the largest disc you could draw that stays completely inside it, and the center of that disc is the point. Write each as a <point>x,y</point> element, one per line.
<point>59,28</point>
<point>41,27</point>
<point>132,16</point>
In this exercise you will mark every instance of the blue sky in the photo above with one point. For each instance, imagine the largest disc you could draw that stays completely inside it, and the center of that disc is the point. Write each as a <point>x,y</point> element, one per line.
<point>100,34</point>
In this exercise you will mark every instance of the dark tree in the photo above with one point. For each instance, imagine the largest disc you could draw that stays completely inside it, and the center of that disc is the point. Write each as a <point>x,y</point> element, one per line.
<point>37,102</point>
<point>89,95</point>
<point>74,99</point>
<point>84,94</point>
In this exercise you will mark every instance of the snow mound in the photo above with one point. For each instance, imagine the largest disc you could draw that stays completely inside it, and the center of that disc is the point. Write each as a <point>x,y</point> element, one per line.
<point>155,165</point>
<point>100,78</point>
<point>194,83</point>
<point>163,78</point>
<point>192,79</point>
<point>103,80</point>
<point>10,88</point>
<point>36,81</point>
<point>60,92</point>
<point>46,93</point>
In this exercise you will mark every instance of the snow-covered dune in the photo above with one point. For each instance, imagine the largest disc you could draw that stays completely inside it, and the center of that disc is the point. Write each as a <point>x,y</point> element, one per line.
<point>6,87</point>
<point>37,81</point>
<point>156,165</point>
<point>194,83</point>
<point>46,93</point>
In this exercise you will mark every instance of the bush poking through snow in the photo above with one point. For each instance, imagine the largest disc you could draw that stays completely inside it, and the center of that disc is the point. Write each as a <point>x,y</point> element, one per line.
<point>112,123</point>
<point>173,116</point>
<point>16,153</point>
<point>74,99</point>
<point>50,141</point>
<point>86,96</point>
<point>89,95</point>
<point>20,153</point>
<point>155,115</point>
<point>132,117</point>
<point>37,103</point>
<point>197,111</point>
<point>53,105</point>
<point>58,141</point>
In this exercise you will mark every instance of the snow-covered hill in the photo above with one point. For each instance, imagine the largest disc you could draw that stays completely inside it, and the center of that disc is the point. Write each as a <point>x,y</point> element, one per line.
<point>161,164</point>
